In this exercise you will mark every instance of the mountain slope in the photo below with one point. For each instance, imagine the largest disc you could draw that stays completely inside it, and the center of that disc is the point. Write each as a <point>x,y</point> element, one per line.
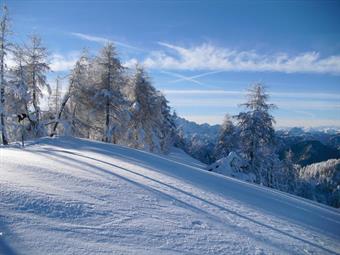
<point>73,196</point>
<point>309,152</point>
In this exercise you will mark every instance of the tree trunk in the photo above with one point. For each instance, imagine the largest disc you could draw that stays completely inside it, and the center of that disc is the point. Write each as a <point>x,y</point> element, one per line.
<point>2,89</point>
<point>34,99</point>
<point>62,107</point>
<point>107,120</point>
<point>107,138</point>
<point>3,130</point>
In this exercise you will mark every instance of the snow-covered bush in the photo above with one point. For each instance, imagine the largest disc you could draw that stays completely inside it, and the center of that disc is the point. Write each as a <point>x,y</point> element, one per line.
<point>234,166</point>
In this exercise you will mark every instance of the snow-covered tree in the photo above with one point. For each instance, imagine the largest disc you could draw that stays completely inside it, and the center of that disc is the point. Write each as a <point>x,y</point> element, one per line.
<point>4,47</point>
<point>227,140</point>
<point>36,68</point>
<point>82,107</point>
<point>151,124</point>
<point>75,104</point>
<point>256,130</point>
<point>18,95</point>
<point>143,97</point>
<point>108,92</point>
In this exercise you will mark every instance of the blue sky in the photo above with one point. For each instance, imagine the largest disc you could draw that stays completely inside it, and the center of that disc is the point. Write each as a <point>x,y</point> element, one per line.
<point>204,54</point>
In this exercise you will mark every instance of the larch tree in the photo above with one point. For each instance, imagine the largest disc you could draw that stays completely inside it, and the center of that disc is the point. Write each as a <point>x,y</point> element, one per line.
<point>82,106</point>
<point>18,94</point>
<point>77,93</point>
<point>37,67</point>
<point>143,98</point>
<point>257,134</point>
<point>108,94</point>
<point>151,124</point>
<point>4,47</point>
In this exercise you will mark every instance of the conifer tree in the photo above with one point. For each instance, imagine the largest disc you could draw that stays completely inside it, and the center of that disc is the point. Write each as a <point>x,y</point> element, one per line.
<point>256,129</point>
<point>35,55</point>
<point>108,91</point>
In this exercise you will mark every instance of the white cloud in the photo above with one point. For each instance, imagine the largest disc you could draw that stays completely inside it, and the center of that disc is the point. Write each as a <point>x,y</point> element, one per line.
<point>209,57</point>
<point>221,92</point>
<point>103,40</point>
<point>131,63</point>
<point>63,63</point>
<point>58,62</point>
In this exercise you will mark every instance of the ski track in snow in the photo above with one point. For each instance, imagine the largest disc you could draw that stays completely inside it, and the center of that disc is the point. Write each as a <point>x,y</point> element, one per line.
<point>74,196</point>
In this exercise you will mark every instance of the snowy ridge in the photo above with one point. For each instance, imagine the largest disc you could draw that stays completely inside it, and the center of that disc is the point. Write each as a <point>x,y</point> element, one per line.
<point>191,128</point>
<point>74,196</point>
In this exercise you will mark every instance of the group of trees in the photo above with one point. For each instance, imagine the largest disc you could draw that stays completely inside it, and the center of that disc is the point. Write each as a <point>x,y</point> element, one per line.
<point>104,101</point>
<point>253,137</point>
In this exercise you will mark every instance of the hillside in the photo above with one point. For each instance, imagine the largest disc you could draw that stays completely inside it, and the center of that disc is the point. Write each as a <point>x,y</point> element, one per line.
<point>322,182</point>
<point>74,196</point>
<point>309,152</point>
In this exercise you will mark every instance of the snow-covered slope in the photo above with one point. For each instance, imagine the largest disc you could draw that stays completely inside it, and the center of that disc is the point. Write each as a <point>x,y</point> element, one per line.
<point>72,196</point>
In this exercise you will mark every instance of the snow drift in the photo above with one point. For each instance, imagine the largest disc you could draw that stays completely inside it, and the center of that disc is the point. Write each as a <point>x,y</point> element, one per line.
<point>73,196</point>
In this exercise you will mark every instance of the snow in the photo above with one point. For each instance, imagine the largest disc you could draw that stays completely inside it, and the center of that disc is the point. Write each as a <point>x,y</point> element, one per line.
<point>75,196</point>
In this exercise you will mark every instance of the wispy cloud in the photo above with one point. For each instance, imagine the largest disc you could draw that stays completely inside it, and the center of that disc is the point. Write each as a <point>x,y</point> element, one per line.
<point>192,79</point>
<point>281,122</point>
<point>211,58</point>
<point>236,102</point>
<point>306,113</point>
<point>91,38</point>
<point>103,40</point>
<point>182,77</point>
<point>196,76</point>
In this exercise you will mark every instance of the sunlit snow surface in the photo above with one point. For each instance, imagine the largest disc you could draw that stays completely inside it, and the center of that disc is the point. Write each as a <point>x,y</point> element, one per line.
<point>73,196</point>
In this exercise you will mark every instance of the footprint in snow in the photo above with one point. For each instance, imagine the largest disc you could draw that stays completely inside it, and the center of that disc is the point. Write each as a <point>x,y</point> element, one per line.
<point>197,223</point>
